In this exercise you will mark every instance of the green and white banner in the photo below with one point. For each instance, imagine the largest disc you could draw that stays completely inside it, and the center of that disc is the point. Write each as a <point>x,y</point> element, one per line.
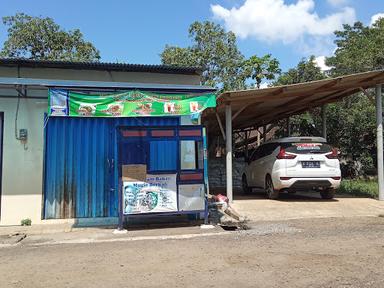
<point>127,104</point>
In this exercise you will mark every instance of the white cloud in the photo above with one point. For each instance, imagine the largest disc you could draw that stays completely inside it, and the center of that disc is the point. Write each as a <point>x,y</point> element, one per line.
<point>337,2</point>
<point>315,45</point>
<point>376,17</point>
<point>320,62</point>
<point>264,85</point>
<point>274,20</point>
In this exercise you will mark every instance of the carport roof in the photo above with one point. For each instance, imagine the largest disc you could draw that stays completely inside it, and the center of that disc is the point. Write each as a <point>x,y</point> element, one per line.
<point>256,107</point>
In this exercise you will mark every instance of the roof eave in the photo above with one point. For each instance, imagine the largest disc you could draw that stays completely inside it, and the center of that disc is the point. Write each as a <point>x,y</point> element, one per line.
<point>120,67</point>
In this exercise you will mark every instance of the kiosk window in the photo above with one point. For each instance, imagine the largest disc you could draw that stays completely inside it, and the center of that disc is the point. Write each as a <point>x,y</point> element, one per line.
<point>191,155</point>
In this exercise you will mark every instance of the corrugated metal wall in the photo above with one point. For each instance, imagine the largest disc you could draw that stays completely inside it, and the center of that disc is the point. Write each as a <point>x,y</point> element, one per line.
<point>79,174</point>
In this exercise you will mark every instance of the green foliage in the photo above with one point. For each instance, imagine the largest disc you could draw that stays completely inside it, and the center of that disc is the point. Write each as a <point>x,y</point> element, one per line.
<point>216,52</point>
<point>358,187</point>
<point>351,122</point>
<point>351,127</point>
<point>26,222</point>
<point>359,49</point>
<point>178,56</point>
<point>259,68</point>
<point>41,38</point>
<point>305,71</point>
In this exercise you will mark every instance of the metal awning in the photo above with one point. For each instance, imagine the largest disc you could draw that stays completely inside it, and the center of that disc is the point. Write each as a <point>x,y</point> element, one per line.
<point>257,107</point>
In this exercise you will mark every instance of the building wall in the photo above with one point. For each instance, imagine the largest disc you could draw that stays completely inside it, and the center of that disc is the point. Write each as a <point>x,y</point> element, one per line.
<point>22,164</point>
<point>98,75</point>
<point>22,173</point>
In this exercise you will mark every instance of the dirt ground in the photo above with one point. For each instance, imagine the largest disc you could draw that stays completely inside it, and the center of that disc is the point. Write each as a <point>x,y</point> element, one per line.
<point>326,252</point>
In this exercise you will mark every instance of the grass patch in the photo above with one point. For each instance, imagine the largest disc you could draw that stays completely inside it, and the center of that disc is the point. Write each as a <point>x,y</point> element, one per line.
<point>358,187</point>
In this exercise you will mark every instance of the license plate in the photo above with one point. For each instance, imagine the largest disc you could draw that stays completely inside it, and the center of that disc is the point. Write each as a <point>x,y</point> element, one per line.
<point>310,164</point>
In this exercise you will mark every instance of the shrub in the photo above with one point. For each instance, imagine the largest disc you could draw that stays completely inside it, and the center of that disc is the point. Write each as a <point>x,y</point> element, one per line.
<point>26,222</point>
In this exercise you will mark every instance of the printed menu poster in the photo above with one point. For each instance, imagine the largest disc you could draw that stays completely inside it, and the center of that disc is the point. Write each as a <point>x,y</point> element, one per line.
<point>157,194</point>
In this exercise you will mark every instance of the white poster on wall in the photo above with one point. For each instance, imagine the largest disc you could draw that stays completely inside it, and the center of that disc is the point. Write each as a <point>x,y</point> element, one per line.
<point>157,194</point>
<point>191,197</point>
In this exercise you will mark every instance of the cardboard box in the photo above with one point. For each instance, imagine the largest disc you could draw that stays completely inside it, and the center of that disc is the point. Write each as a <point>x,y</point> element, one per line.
<point>134,172</point>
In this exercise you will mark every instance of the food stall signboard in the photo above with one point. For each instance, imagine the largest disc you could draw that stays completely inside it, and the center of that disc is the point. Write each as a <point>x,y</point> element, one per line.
<point>127,104</point>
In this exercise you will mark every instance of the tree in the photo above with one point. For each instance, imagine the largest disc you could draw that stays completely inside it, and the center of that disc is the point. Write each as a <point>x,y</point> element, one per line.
<point>352,120</point>
<point>178,56</point>
<point>305,71</point>
<point>214,50</point>
<point>43,39</point>
<point>359,49</point>
<point>259,68</point>
<point>351,127</point>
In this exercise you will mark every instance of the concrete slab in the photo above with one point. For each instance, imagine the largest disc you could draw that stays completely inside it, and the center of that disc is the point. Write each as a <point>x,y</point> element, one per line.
<point>297,206</point>
<point>103,235</point>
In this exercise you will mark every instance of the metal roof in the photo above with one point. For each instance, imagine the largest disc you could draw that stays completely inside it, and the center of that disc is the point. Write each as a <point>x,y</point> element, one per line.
<point>36,83</point>
<point>123,67</point>
<point>257,107</point>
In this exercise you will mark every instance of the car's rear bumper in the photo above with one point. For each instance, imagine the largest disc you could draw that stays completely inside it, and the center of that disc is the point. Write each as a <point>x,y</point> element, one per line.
<point>306,183</point>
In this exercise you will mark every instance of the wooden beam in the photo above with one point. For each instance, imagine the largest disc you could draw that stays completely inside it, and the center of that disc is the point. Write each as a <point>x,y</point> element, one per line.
<point>283,105</point>
<point>262,97</point>
<point>287,93</point>
<point>372,78</point>
<point>254,105</point>
<point>329,85</point>
<point>292,110</point>
<point>239,111</point>
<point>299,110</point>
<point>286,106</point>
<point>220,125</point>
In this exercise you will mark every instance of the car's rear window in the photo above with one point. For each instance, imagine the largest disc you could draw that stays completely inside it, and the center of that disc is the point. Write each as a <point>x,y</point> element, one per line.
<point>307,148</point>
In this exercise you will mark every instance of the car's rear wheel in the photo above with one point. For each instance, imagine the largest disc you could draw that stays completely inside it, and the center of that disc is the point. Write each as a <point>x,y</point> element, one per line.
<point>244,182</point>
<point>327,194</point>
<point>272,193</point>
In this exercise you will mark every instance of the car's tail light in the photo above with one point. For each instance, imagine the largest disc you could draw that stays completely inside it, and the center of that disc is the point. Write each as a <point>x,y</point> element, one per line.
<point>284,155</point>
<point>333,155</point>
<point>285,178</point>
<point>336,178</point>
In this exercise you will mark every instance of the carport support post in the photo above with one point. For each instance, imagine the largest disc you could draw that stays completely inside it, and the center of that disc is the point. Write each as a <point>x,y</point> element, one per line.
<point>324,121</point>
<point>379,136</point>
<point>228,138</point>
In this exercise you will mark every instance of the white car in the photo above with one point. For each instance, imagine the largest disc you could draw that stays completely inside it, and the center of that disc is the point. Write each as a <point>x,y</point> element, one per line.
<point>293,164</point>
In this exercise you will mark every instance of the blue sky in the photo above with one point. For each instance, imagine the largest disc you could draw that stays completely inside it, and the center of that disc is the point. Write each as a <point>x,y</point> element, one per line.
<point>137,31</point>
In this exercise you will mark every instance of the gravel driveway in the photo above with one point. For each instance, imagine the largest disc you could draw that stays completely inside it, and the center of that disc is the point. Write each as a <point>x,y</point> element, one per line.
<point>326,252</point>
